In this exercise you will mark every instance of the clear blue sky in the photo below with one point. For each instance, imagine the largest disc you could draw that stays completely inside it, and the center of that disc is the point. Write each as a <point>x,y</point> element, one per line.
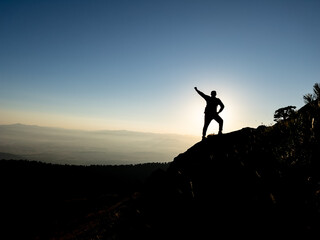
<point>133,64</point>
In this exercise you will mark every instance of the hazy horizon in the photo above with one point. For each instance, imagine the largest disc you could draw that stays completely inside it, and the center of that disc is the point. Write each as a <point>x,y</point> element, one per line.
<point>97,129</point>
<point>80,147</point>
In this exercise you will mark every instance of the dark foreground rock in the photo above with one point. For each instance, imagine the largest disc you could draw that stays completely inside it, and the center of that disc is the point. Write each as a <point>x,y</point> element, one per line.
<point>252,183</point>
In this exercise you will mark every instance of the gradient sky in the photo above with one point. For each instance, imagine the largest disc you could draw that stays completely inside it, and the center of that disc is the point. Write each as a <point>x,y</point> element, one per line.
<point>133,64</point>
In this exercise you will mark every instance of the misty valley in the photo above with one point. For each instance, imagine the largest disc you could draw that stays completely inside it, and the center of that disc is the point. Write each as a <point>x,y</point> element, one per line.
<point>55,145</point>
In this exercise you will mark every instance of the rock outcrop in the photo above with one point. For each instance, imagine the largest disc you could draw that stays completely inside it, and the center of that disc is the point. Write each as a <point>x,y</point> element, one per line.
<point>252,183</point>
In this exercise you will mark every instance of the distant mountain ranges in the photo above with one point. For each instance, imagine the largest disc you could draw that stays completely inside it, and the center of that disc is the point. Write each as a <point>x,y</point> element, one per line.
<point>56,145</point>
<point>9,156</point>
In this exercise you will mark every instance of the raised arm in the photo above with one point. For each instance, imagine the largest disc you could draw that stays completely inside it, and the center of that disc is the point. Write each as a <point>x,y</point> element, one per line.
<point>201,93</point>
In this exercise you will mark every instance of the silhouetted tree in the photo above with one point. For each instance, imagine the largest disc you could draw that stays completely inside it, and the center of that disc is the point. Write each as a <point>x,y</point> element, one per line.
<point>284,113</point>
<point>312,97</point>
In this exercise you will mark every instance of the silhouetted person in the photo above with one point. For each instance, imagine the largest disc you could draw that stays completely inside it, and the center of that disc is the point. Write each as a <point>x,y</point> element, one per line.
<point>211,111</point>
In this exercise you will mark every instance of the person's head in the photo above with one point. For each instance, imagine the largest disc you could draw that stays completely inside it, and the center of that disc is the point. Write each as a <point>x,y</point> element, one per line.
<point>213,93</point>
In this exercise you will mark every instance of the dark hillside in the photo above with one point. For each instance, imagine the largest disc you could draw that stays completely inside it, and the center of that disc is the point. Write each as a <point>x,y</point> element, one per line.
<point>252,183</point>
<point>39,200</point>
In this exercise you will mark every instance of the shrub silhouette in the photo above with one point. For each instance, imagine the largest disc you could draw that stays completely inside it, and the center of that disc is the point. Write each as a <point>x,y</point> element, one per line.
<point>284,113</point>
<point>311,97</point>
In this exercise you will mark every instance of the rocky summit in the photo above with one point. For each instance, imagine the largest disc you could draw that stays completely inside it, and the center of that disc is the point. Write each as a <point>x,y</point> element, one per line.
<point>253,183</point>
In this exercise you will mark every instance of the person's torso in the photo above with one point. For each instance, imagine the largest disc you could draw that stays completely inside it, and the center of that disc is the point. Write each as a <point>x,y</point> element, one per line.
<point>212,105</point>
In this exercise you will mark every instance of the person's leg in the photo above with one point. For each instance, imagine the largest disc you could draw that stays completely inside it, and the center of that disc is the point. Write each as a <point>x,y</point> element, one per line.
<point>207,120</point>
<point>220,121</point>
